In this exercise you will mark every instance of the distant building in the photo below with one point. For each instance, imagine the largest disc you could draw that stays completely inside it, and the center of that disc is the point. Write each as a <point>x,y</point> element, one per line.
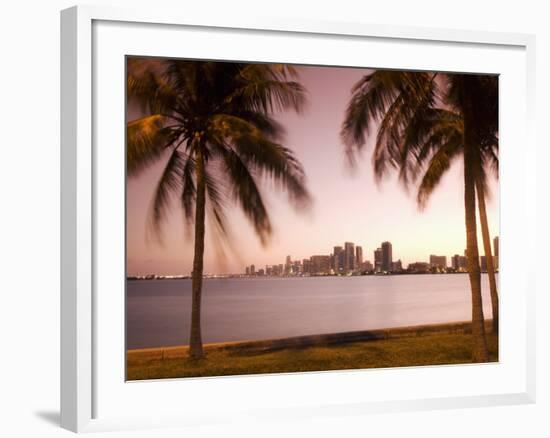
<point>349,258</point>
<point>378,259</point>
<point>306,266</point>
<point>458,263</point>
<point>418,267</point>
<point>261,272</point>
<point>339,259</point>
<point>367,266</point>
<point>281,269</point>
<point>320,264</point>
<point>397,266</point>
<point>296,267</point>
<point>252,270</point>
<point>455,262</point>
<point>288,265</point>
<point>247,270</point>
<point>387,259</point>
<point>358,257</point>
<point>268,270</point>
<point>439,262</point>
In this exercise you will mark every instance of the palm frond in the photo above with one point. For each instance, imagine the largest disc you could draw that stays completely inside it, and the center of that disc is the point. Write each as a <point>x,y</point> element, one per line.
<point>267,89</point>
<point>217,203</point>
<point>245,191</point>
<point>439,163</point>
<point>269,159</point>
<point>146,139</point>
<point>168,186</point>
<point>147,85</point>
<point>391,99</point>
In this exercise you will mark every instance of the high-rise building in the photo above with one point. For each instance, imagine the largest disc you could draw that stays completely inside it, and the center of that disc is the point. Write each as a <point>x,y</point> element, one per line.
<point>349,259</point>
<point>495,251</point>
<point>339,259</point>
<point>387,258</point>
<point>454,261</point>
<point>377,259</point>
<point>247,270</point>
<point>439,262</point>
<point>288,265</point>
<point>358,257</point>
<point>306,266</point>
<point>320,264</point>
<point>252,270</point>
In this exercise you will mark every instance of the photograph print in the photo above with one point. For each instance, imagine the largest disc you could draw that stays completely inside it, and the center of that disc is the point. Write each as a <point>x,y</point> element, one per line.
<point>296,218</point>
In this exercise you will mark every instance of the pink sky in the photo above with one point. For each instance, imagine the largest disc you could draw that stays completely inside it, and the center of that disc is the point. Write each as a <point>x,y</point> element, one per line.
<point>346,207</point>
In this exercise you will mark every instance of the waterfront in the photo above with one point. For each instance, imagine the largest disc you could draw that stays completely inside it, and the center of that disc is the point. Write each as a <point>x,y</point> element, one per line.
<point>237,309</point>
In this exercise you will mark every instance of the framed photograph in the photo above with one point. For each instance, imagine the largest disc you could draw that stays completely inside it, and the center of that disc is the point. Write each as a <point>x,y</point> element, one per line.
<point>289,218</point>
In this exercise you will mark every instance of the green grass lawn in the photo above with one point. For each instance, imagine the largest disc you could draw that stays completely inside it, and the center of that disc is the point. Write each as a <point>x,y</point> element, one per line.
<point>433,349</point>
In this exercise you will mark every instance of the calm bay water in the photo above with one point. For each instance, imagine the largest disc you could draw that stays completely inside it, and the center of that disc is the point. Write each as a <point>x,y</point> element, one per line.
<point>158,311</point>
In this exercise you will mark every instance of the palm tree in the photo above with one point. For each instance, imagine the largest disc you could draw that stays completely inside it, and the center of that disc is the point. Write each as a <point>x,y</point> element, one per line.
<point>476,98</point>
<point>213,121</point>
<point>439,139</point>
<point>406,106</point>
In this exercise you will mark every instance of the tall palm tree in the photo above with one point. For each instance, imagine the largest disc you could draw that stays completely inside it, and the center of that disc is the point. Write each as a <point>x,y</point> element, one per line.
<point>406,106</point>
<point>213,123</point>
<point>475,97</point>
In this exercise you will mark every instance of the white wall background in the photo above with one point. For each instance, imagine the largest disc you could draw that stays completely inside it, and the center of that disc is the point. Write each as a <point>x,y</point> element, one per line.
<point>29,216</point>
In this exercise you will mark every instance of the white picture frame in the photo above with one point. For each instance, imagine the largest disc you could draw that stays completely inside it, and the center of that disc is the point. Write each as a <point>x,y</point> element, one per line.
<point>83,174</point>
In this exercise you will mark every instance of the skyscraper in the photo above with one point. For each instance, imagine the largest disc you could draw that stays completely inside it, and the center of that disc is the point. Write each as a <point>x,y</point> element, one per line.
<point>320,264</point>
<point>339,259</point>
<point>288,266</point>
<point>387,259</point>
<point>358,257</point>
<point>349,260</point>
<point>377,259</point>
<point>306,266</point>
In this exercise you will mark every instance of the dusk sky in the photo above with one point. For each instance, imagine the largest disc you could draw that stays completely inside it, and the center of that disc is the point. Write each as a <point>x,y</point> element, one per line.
<point>346,206</point>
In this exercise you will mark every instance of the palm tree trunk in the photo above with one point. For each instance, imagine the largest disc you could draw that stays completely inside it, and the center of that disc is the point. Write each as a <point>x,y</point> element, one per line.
<point>195,342</point>
<point>479,348</point>
<point>488,253</point>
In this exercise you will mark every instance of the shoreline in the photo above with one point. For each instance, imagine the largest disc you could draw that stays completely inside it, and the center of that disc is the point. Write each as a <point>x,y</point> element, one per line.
<point>319,340</point>
<point>254,277</point>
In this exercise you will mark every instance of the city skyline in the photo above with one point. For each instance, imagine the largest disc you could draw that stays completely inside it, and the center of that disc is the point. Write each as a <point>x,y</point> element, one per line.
<point>345,203</point>
<point>339,261</point>
<point>387,263</point>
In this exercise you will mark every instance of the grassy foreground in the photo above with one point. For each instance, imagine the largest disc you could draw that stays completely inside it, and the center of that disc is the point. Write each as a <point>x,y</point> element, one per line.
<point>430,349</point>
